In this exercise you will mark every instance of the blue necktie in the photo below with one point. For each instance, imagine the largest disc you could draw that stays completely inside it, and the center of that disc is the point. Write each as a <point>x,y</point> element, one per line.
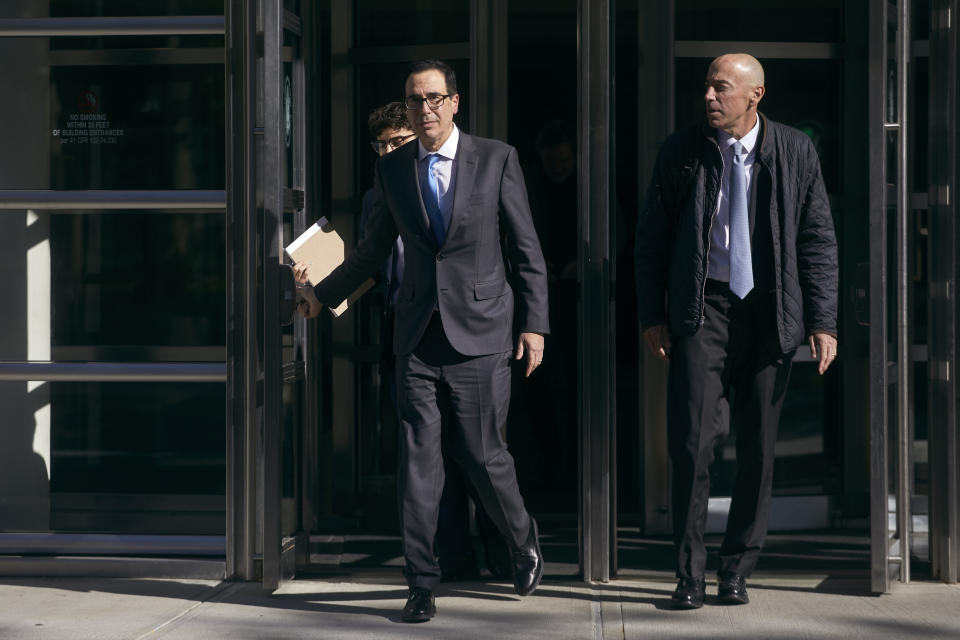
<point>431,199</point>
<point>741,264</point>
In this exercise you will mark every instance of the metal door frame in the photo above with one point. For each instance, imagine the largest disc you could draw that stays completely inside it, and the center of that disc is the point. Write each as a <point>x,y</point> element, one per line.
<point>944,436</point>
<point>596,338</point>
<point>888,116</point>
<point>257,198</point>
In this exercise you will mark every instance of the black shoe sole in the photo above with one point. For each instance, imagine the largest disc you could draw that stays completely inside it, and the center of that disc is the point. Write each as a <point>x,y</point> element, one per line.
<point>685,605</point>
<point>421,618</point>
<point>417,619</point>
<point>733,600</point>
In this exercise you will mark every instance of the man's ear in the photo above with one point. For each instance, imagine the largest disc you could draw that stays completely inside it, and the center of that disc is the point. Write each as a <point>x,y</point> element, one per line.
<point>758,93</point>
<point>455,99</point>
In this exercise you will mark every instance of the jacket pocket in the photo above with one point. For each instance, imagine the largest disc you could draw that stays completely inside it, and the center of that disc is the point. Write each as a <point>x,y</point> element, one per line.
<point>489,289</point>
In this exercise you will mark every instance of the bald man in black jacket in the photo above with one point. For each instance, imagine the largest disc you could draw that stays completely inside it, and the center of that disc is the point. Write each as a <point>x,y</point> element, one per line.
<point>736,265</point>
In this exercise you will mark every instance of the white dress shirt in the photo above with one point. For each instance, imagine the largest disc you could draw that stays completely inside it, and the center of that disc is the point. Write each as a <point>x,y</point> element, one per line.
<point>719,262</point>
<point>444,170</point>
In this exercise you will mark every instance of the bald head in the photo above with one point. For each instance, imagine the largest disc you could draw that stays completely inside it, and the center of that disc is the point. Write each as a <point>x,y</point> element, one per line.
<point>733,89</point>
<point>744,64</point>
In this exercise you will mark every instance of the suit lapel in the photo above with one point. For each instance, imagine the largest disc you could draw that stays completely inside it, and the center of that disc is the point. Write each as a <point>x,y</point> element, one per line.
<point>466,172</point>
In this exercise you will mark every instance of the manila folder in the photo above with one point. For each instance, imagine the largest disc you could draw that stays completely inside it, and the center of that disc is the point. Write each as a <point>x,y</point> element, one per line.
<point>321,247</point>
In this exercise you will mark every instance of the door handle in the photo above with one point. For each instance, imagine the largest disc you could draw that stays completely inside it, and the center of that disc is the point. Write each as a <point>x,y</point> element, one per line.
<point>293,200</point>
<point>287,307</point>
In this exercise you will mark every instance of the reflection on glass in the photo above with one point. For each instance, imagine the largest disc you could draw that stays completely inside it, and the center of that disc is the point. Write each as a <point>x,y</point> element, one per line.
<point>291,435</point>
<point>920,19</point>
<point>66,440</point>
<point>382,23</point>
<point>72,50</point>
<point>124,128</point>
<point>748,20</point>
<point>543,62</point>
<point>119,282</point>
<point>891,152</point>
<point>892,86</point>
<point>132,278</point>
<point>77,8</point>
<point>114,127</point>
<point>918,129</point>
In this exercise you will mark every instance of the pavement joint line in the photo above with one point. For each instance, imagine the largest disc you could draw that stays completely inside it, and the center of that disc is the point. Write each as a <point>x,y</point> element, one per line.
<point>217,590</point>
<point>597,615</point>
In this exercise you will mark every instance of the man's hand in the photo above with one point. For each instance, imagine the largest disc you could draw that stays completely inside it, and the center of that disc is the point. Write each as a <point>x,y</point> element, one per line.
<point>823,347</point>
<point>531,345</point>
<point>658,339</point>
<point>301,272</point>
<point>308,306</point>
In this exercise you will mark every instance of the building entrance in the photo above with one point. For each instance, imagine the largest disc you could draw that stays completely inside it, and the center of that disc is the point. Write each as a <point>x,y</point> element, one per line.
<point>157,403</point>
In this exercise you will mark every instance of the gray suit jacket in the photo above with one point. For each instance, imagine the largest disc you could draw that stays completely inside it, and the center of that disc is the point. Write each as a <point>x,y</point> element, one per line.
<point>489,267</point>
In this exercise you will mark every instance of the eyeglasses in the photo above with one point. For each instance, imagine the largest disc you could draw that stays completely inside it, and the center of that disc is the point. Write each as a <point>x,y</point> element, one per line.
<point>434,100</point>
<point>393,143</point>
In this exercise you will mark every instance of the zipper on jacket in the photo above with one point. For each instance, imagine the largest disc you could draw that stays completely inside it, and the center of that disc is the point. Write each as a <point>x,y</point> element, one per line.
<point>706,255</point>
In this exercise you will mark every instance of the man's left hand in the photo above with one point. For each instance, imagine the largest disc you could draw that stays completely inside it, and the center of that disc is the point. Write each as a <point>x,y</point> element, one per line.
<point>530,345</point>
<point>823,347</point>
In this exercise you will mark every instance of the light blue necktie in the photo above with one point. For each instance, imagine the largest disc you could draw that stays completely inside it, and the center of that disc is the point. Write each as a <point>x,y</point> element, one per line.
<point>741,264</point>
<point>431,199</point>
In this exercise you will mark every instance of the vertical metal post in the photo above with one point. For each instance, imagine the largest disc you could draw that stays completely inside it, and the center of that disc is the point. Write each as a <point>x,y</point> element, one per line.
<point>904,360</point>
<point>877,203</point>
<point>339,446</point>
<point>944,438</point>
<point>242,361</point>
<point>596,335</point>
<point>488,67</point>
<point>271,180</point>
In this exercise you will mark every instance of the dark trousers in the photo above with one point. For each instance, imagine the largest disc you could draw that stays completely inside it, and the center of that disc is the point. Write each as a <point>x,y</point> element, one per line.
<point>726,371</point>
<point>474,393</point>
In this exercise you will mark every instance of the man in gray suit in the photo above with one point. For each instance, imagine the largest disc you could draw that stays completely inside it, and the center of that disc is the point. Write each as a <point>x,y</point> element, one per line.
<point>474,275</point>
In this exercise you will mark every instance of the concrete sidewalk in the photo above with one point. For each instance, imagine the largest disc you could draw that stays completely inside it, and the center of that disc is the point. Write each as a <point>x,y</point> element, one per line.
<point>366,605</point>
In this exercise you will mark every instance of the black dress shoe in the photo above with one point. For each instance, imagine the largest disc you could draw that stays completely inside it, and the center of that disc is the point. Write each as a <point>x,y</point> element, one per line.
<point>528,563</point>
<point>732,589</point>
<point>420,606</point>
<point>689,594</point>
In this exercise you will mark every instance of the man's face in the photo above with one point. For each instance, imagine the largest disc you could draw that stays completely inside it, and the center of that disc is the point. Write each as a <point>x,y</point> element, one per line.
<point>730,98</point>
<point>392,139</point>
<point>558,162</point>
<point>432,125</point>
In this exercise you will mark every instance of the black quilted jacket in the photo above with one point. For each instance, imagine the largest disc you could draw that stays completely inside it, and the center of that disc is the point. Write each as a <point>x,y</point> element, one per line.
<point>794,247</point>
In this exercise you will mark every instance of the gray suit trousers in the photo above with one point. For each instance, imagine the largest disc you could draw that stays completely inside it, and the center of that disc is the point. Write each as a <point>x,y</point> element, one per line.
<point>474,392</point>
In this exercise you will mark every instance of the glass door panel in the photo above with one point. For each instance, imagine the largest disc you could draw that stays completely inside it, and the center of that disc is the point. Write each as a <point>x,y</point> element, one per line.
<point>107,286</point>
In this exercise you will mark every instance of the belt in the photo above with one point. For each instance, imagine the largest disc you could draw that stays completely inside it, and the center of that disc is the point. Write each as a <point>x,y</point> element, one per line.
<point>717,286</point>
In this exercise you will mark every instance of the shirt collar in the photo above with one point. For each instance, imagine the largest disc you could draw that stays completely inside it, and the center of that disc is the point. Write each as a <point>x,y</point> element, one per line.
<point>748,141</point>
<point>448,150</point>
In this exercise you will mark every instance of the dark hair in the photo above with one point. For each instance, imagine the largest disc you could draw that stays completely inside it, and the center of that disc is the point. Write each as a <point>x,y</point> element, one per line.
<point>555,133</point>
<point>392,115</point>
<point>420,66</point>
